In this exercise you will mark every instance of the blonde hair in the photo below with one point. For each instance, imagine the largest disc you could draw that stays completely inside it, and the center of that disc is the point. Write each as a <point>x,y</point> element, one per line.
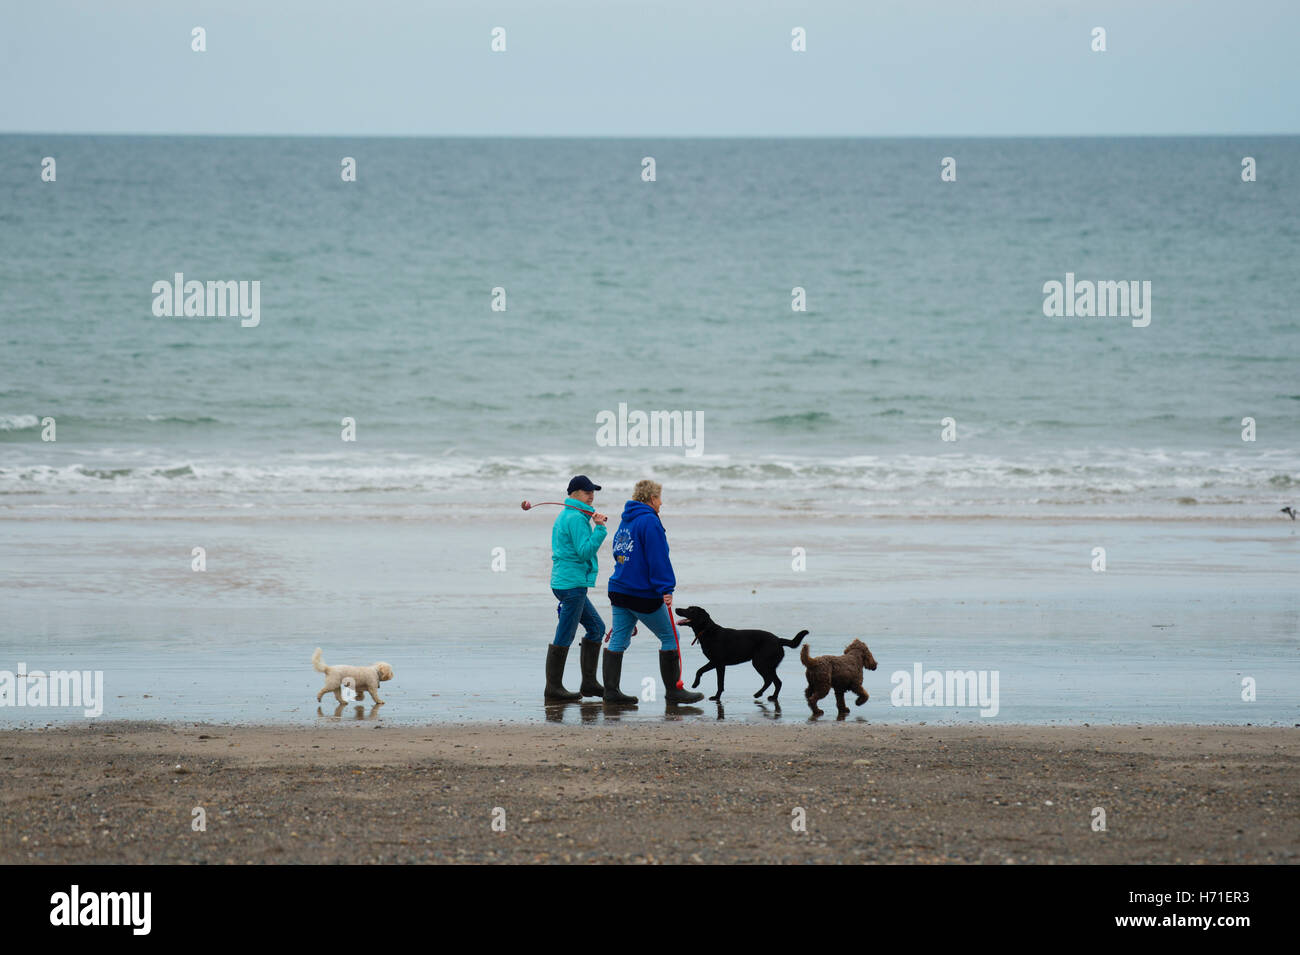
<point>646,491</point>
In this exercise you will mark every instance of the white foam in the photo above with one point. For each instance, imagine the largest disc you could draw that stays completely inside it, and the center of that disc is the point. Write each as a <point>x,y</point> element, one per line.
<point>18,422</point>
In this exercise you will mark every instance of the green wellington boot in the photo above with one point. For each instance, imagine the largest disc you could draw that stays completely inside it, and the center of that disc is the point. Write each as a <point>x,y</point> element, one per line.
<point>555,657</point>
<point>590,657</point>
<point>612,665</point>
<point>669,671</point>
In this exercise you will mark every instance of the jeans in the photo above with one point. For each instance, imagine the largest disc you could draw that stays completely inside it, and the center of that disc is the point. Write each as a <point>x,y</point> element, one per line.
<point>659,622</point>
<point>575,608</point>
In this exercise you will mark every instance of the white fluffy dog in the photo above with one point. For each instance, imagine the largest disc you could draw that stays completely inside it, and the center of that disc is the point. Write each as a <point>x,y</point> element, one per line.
<point>360,679</point>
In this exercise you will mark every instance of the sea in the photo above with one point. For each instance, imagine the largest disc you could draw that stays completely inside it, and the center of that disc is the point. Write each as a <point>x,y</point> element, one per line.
<point>840,358</point>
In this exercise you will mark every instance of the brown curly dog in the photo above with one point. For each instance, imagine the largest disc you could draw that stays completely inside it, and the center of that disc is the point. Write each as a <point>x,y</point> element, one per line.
<point>837,673</point>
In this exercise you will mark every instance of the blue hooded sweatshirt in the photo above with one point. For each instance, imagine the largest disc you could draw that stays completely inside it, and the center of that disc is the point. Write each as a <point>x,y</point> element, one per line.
<point>641,566</point>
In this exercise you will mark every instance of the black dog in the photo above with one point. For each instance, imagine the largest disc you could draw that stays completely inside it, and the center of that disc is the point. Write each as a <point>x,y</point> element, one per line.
<point>724,647</point>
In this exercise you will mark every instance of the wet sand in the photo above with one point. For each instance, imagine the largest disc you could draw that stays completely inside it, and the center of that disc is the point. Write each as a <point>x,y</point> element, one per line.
<point>1168,635</point>
<point>649,793</point>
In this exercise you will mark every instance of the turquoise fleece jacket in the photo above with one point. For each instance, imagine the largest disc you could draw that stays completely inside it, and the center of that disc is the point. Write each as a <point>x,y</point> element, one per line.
<point>574,542</point>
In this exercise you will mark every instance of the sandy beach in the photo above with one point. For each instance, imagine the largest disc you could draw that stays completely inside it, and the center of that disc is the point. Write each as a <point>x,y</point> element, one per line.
<point>674,792</point>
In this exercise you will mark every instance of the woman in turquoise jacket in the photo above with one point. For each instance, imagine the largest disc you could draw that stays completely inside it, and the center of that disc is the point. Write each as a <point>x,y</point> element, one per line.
<point>574,542</point>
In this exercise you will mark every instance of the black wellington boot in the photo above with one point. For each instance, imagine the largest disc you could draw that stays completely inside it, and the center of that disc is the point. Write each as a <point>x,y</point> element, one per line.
<point>590,657</point>
<point>555,657</point>
<point>612,665</point>
<point>669,671</point>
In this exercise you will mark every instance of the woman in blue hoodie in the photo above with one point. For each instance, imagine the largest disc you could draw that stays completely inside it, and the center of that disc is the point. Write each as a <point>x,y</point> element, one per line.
<point>641,588</point>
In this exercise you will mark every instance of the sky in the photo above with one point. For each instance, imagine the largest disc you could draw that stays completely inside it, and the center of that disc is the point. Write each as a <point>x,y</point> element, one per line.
<point>652,68</point>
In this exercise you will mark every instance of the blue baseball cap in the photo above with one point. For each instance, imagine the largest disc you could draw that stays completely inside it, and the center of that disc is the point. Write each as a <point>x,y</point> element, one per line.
<point>582,483</point>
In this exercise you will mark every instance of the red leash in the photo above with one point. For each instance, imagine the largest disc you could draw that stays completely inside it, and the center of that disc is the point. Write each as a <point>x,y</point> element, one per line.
<point>611,633</point>
<point>673,621</point>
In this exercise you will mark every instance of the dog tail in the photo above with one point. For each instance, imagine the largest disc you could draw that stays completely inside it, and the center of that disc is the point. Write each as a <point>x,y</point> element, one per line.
<point>805,657</point>
<point>316,663</point>
<point>795,642</point>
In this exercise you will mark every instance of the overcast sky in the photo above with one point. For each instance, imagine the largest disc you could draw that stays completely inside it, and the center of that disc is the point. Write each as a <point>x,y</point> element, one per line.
<point>658,67</point>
